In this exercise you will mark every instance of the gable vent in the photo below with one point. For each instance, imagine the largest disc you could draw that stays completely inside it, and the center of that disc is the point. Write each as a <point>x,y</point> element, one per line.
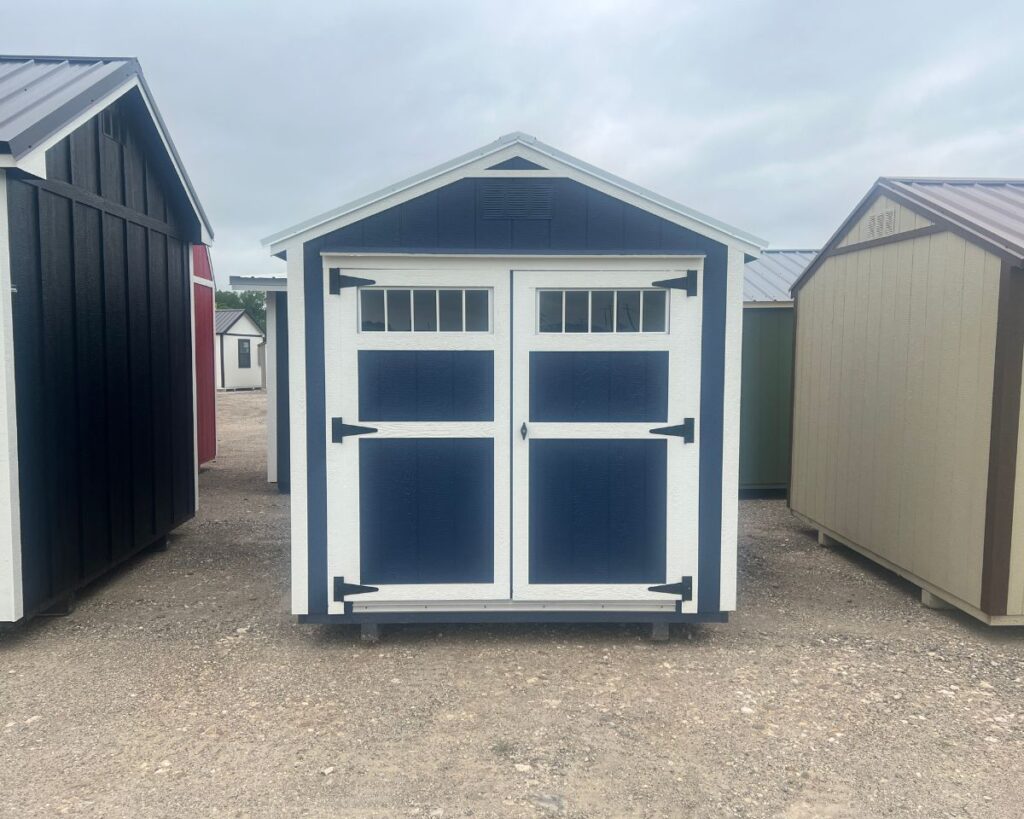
<point>521,199</point>
<point>880,224</point>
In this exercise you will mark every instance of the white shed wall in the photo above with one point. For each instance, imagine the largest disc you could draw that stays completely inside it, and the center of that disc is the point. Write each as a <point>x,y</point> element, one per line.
<point>892,406</point>
<point>229,375</point>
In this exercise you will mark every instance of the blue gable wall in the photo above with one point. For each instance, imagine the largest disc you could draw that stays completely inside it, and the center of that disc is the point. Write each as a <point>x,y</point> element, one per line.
<point>456,219</point>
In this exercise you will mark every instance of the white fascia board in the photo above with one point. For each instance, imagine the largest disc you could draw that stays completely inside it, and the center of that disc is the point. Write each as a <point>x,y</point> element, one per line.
<point>476,163</point>
<point>34,161</point>
<point>757,305</point>
<point>264,283</point>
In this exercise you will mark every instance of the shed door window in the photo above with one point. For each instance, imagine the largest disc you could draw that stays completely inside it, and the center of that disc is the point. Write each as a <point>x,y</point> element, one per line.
<point>244,354</point>
<point>602,311</point>
<point>424,310</point>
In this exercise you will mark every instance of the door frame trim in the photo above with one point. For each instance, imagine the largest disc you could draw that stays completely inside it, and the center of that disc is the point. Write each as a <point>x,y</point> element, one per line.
<point>720,374</point>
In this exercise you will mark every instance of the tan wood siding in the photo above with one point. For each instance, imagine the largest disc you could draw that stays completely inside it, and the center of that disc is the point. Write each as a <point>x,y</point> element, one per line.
<point>893,400</point>
<point>904,220</point>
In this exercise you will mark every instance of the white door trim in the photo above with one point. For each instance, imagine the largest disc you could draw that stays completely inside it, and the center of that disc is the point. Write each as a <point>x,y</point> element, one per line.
<point>683,342</point>
<point>343,340</point>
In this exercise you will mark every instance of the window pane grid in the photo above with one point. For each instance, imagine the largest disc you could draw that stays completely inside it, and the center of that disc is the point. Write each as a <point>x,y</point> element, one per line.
<point>424,310</point>
<point>579,310</point>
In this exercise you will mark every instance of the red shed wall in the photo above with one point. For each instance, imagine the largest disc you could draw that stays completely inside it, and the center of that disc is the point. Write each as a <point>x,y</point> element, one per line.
<point>206,408</point>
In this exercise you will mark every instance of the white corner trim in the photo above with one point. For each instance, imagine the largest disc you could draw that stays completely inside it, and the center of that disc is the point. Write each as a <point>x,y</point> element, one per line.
<point>11,599</point>
<point>297,432</point>
<point>731,428</point>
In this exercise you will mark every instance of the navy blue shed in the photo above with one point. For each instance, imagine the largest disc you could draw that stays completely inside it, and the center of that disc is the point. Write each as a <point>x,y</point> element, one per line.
<point>508,389</point>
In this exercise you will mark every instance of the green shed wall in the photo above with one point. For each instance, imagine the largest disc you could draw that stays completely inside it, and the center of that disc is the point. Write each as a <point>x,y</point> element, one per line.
<point>766,404</point>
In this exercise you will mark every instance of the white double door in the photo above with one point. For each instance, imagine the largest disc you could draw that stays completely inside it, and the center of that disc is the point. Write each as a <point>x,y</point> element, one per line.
<point>490,434</point>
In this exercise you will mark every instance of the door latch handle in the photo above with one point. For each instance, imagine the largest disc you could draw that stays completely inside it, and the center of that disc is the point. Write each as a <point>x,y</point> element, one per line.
<point>522,430</point>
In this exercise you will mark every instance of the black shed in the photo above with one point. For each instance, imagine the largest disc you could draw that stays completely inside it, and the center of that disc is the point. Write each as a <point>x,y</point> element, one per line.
<point>97,221</point>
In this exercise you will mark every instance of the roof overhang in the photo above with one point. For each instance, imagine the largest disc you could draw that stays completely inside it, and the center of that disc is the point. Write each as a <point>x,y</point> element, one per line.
<point>479,163</point>
<point>28,152</point>
<point>263,283</point>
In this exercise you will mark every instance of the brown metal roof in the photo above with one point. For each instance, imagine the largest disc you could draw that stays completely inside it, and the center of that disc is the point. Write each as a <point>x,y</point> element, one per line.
<point>988,212</point>
<point>993,209</point>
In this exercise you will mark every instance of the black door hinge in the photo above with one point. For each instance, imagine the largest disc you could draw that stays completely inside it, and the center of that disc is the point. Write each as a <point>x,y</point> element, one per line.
<point>687,283</point>
<point>684,588</point>
<point>684,430</point>
<point>341,588</point>
<point>340,430</point>
<point>338,281</point>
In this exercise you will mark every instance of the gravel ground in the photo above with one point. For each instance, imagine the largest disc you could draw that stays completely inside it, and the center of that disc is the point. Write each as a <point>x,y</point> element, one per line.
<point>181,686</point>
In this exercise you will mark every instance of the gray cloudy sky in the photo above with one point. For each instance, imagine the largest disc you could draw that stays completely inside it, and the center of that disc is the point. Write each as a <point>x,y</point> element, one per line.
<point>773,116</point>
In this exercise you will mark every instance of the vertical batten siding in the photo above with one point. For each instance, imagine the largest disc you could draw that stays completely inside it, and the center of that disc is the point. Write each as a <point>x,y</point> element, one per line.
<point>766,397</point>
<point>905,220</point>
<point>893,402</point>
<point>11,607</point>
<point>103,370</point>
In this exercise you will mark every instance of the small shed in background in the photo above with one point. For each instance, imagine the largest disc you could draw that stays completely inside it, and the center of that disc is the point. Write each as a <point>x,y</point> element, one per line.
<point>766,401</point>
<point>275,373</point>
<point>907,400</point>
<point>238,361</point>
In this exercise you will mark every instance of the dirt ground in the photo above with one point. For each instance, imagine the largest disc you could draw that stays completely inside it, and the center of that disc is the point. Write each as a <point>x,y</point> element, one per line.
<point>181,686</point>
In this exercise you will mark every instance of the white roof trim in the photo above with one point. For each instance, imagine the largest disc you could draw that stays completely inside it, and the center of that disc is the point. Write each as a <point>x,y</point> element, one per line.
<point>33,161</point>
<point>264,283</point>
<point>528,145</point>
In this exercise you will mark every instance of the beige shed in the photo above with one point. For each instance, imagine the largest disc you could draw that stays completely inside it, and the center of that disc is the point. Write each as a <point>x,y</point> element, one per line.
<point>907,389</point>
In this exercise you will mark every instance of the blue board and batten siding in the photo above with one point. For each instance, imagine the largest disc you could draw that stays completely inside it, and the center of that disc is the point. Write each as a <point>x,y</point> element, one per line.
<point>553,216</point>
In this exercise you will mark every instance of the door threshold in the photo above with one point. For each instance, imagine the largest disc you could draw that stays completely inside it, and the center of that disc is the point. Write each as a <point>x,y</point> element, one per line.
<point>513,616</point>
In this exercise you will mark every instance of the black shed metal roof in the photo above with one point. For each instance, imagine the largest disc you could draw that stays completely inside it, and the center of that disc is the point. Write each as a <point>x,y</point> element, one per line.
<point>41,95</point>
<point>225,319</point>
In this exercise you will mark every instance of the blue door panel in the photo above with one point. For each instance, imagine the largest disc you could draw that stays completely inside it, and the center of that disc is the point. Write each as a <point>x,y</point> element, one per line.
<point>597,511</point>
<point>599,386</point>
<point>426,510</point>
<point>426,385</point>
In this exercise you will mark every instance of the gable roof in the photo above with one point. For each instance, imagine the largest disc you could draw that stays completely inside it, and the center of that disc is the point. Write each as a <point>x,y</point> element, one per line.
<point>224,320</point>
<point>525,149</point>
<point>768,278</point>
<point>992,208</point>
<point>987,212</point>
<point>43,98</point>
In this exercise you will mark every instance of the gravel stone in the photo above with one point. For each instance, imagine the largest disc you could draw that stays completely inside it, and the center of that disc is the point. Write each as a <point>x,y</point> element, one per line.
<point>181,686</point>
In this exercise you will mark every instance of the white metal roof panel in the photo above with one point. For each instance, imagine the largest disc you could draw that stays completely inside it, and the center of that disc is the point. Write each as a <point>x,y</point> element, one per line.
<point>768,278</point>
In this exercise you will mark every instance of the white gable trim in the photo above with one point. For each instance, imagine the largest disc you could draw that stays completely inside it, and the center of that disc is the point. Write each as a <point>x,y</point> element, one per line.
<point>33,161</point>
<point>477,163</point>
